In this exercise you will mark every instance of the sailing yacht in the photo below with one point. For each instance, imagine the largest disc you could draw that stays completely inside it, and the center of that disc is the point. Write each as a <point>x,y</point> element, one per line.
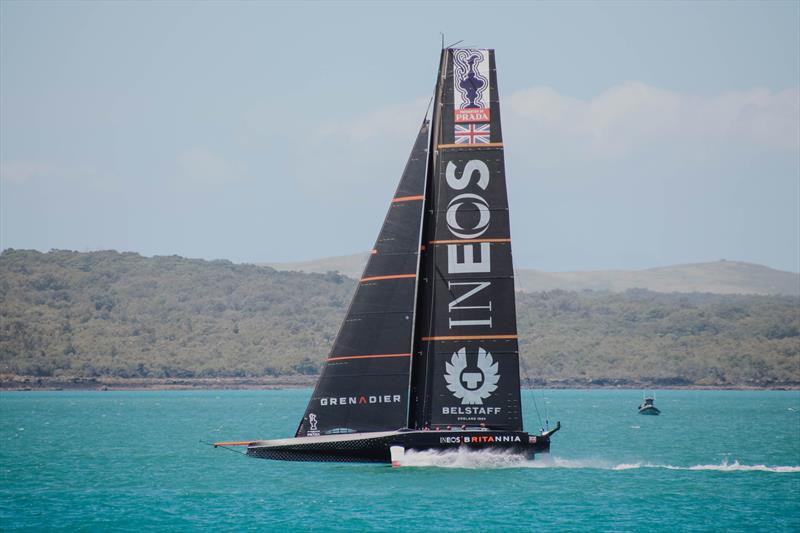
<point>427,356</point>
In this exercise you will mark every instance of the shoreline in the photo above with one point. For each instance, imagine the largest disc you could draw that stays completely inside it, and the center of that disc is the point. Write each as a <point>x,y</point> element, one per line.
<point>28,383</point>
<point>12,383</point>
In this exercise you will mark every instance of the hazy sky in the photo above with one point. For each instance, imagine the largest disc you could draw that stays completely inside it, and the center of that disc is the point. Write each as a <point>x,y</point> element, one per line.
<point>637,134</point>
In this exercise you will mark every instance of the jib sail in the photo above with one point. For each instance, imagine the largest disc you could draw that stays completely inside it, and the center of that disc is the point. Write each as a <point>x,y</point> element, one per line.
<point>466,364</point>
<point>364,384</point>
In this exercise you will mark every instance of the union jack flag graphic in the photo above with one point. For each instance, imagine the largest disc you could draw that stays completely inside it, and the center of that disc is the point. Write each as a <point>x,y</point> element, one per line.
<point>472,133</point>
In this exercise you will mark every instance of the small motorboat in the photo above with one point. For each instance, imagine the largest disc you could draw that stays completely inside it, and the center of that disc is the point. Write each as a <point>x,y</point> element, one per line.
<point>647,407</point>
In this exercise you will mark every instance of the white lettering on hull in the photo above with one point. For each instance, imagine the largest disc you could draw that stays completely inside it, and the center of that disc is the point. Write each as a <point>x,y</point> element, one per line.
<point>479,439</point>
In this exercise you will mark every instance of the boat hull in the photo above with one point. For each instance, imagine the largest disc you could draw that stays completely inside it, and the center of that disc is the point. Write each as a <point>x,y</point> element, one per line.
<point>649,410</point>
<point>375,447</point>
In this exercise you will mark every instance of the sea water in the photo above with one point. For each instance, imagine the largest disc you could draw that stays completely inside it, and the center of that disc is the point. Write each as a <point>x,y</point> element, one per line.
<point>132,461</point>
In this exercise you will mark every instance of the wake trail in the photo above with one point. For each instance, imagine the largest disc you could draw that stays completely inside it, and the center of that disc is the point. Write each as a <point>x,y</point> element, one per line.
<point>469,459</point>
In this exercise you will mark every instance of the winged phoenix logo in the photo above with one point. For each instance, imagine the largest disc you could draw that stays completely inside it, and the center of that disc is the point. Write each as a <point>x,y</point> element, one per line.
<point>471,387</point>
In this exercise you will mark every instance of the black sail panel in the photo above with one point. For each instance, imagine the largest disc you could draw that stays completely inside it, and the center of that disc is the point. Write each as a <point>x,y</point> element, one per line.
<point>467,366</point>
<point>364,383</point>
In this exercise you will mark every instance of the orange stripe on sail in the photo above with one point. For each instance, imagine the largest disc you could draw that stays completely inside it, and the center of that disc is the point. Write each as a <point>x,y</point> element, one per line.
<point>484,145</point>
<point>470,338</point>
<point>375,356</point>
<point>407,198</point>
<point>373,251</point>
<point>394,276</point>
<point>467,241</point>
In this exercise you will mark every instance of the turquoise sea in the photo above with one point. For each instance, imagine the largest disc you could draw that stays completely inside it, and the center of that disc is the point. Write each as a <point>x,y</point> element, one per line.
<point>132,461</point>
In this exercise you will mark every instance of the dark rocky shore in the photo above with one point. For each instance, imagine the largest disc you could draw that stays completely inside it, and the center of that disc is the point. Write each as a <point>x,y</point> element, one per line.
<point>33,383</point>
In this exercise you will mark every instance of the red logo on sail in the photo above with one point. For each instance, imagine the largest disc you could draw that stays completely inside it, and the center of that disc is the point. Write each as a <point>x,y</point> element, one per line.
<point>480,114</point>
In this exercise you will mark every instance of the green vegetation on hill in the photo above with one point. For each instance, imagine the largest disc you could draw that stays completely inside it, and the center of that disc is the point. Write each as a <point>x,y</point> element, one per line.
<point>662,339</point>
<point>119,314</point>
<point>106,313</point>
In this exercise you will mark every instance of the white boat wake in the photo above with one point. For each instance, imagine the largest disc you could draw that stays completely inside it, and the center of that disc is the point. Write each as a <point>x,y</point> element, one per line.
<point>487,460</point>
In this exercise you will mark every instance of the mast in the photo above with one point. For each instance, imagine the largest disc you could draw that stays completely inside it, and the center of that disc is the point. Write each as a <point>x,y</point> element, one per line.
<point>465,369</point>
<point>419,369</point>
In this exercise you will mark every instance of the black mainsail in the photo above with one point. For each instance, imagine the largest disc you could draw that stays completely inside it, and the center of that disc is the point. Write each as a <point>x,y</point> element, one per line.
<point>466,369</point>
<point>427,355</point>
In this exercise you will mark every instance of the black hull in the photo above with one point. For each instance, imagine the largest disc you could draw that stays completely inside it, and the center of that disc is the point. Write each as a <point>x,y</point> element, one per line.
<point>375,447</point>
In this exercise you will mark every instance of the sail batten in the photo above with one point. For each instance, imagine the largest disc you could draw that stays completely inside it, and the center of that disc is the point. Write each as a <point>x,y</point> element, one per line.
<point>371,356</point>
<point>461,146</point>
<point>470,337</point>
<point>466,241</point>
<point>408,198</point>
<point>389,276</point>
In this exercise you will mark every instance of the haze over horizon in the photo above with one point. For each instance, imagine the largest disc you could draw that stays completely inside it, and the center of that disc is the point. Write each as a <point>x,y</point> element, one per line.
<point>637,135</point>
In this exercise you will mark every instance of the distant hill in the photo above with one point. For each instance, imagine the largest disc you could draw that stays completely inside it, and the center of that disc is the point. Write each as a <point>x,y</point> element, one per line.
<point>120,315</point>
<point>347,265</point>
<point>719,277</point>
